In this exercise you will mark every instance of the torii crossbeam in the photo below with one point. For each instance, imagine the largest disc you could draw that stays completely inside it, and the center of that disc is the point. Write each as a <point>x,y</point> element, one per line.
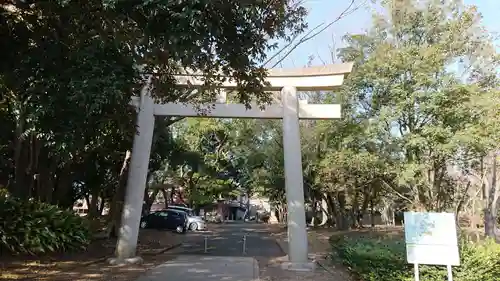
<point>289,81</point>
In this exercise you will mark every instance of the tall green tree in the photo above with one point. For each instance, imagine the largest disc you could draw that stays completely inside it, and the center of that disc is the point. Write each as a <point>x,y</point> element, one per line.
<point>420,120</point>
<point>424,74</point>
<point>73,67</point>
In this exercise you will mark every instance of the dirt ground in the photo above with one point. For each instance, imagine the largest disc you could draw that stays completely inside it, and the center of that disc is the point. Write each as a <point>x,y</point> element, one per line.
<point>91,265</point>
<point>270,269</point>
<point>153,248</point>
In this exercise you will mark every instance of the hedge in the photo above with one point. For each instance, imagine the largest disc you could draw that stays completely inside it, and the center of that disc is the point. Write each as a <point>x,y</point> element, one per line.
<point>373,259</point>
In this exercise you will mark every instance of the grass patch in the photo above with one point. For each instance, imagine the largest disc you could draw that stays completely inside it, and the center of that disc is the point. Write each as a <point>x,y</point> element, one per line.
<point>374,258</point>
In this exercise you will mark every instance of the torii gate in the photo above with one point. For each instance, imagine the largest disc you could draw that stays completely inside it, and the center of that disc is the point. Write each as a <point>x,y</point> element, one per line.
<point>289,81</point>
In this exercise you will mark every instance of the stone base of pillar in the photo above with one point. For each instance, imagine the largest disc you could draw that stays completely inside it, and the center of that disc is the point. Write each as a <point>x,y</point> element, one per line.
<point>116,261</point>
<point>299,266</point>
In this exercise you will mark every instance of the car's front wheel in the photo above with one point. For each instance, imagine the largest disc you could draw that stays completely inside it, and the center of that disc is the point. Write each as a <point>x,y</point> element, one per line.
<point>144,224</point>
<point>193,226</point>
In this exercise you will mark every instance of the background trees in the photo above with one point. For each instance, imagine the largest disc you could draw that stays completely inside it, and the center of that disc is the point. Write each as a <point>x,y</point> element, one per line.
<point>420,124</point>
<point>419,128</point>
<point>70,68</point>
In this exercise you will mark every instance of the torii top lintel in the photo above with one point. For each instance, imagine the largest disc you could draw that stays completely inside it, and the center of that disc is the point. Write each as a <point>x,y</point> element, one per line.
<point>316,78</point>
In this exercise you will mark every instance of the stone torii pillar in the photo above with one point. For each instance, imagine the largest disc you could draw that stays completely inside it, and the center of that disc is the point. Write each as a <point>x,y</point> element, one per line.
<point>288,81</point>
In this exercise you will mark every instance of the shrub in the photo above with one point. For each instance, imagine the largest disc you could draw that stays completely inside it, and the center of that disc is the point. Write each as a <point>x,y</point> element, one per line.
<point>372,259</point>
<point>384,259</point>
<point>479,261</point>
<point>3,193</point>
<point>34,227</point>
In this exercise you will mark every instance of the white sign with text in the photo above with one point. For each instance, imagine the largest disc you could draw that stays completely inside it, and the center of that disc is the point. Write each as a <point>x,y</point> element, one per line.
<point>431,238</point>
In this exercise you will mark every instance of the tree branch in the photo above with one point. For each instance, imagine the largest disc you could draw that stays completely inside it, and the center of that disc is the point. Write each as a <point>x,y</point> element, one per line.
<point>312,33</point>
<point>396,192</point>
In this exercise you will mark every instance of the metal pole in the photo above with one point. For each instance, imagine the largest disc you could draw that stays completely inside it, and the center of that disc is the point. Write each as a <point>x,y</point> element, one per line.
<point>206,244</point>
<point>450,273</point>
<point>417,277</point>
<point>244,244</point>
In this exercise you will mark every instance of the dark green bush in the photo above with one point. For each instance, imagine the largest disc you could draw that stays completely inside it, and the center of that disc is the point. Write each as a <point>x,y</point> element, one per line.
<point>33,227</point>
<point>385,259</point>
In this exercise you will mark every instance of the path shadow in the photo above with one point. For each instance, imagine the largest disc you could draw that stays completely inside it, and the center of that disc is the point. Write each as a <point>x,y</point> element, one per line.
<point>203,268</point>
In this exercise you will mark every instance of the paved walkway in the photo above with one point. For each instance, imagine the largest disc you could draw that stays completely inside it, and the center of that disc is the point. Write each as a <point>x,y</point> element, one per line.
<point>232,240</point>
<point>228,255</point>
<point>205,268</point>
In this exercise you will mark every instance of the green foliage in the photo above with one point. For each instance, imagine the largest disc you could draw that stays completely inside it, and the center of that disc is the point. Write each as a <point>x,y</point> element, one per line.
<point>66,87</point>
<point>33,227</point>
<point>208,164</point>
<point>363,256</point>
<point>3,193</point>
<point>424,114</point>
<point>413,132</point>
<point>480,261</point>
<point>385,259</point>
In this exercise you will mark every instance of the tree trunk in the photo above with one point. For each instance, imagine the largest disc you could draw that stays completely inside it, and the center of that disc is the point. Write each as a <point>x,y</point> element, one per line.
<point>280,213</point>
<point>149,200</point>
<point>387,212</point>
<point>472,220</point>
<point>356,213</point>
<point>101,206</point>
<point>64,187</point>
<point>492,197</point>
<point>285,212</point>
<point>93,205</point>
<point>171,197</point>
<point>34,165</point>
<point>461,202</point>
<point>324,211</point>
<point>45,186</point>
<point>333,210</point>
<point>116,206</point>
<point>165,197</point>
<point>314,211</point>
<point>372,213</point>
<point>342,219</point>
<point>366,201</point>
<point>19,187</point>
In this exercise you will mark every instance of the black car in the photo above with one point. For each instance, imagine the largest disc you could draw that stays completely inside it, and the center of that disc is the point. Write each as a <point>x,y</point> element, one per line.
<point>166,219</point>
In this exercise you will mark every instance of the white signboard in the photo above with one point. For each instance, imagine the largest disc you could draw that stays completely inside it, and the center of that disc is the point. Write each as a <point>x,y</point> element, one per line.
<point>431,238</point>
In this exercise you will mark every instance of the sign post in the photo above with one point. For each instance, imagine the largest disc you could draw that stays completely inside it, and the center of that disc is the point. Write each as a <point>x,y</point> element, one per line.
<point>427,234</point>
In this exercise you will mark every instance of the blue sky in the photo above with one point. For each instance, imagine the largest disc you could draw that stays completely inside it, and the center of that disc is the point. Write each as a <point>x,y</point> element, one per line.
<point>325,10</point>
